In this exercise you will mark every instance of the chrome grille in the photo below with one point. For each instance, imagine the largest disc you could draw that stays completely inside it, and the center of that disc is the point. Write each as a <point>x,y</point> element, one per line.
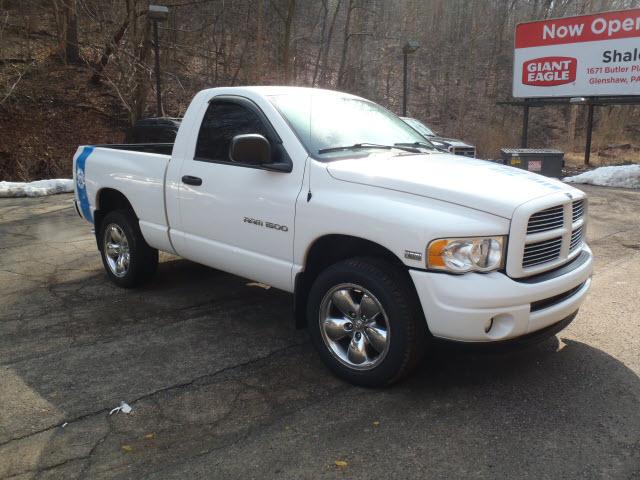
<point>546,220</point>
<point>577,210</point>
<point>541,252</point>
<point>576,239</point>
<point>548,236</point>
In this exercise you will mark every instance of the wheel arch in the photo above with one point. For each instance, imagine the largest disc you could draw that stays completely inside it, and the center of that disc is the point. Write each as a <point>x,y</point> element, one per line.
<point>108,200</point>
<point>327,250</point>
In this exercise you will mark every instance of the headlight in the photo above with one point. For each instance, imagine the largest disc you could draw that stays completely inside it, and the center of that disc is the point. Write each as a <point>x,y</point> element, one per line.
<point>460,255</point>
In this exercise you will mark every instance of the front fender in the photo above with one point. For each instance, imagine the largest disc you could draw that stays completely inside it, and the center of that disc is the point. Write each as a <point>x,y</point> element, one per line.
<point>397,221</point>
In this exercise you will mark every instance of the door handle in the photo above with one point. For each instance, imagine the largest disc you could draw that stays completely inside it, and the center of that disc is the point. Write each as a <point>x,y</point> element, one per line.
<point>191,180</point>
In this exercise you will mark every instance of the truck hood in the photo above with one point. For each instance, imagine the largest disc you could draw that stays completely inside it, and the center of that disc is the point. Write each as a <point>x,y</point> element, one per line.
<point>478,184</point>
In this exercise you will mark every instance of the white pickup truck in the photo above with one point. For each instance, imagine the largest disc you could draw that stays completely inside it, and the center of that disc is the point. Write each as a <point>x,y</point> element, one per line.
<point>385,242</point>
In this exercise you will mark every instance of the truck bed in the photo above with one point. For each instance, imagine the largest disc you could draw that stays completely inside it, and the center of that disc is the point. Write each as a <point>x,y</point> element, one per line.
<point>137,171</point>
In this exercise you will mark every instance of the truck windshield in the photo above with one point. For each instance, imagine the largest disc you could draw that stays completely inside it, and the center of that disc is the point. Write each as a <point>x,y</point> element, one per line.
<point>330,125</point>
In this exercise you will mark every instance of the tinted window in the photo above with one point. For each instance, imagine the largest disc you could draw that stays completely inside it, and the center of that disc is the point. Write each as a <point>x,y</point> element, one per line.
<point>223,121</point>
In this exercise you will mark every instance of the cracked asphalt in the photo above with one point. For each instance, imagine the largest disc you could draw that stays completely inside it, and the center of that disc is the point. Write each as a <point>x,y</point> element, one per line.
<point>223,386</point>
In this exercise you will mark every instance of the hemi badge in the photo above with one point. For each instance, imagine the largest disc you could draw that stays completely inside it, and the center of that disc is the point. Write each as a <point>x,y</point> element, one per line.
<point>412,255</point>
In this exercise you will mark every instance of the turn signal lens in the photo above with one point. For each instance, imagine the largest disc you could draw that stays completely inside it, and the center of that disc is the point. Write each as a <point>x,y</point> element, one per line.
<point>461,255</point>
<point>435,257</point>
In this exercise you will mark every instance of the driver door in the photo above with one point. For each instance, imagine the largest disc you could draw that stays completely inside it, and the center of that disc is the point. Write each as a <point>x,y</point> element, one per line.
<point>238,217</point>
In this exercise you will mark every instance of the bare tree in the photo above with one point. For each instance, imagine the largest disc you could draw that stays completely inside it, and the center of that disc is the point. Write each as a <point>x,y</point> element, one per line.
<point>287,20</point>
<point>110,48</point>
<point>66,15</point>
<point>141,88</point>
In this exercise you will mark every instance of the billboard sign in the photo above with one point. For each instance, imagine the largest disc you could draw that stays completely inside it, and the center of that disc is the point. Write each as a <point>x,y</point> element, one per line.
<point>585,56</point>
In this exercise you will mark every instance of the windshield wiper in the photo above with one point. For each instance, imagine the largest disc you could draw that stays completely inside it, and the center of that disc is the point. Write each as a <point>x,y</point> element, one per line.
<point>426,145</point>
<point>357,146</point>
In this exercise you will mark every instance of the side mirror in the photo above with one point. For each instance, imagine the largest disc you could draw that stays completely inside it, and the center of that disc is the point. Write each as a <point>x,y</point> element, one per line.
<point>250,149</point>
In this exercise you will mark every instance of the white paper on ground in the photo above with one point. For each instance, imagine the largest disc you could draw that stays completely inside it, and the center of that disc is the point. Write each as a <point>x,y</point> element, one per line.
<point>124,407</point>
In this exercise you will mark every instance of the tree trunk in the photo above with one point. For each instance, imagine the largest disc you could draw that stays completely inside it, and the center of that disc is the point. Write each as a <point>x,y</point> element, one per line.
<point>111,46</point>
<point>257,68</point>
<point>142,80</point>
<point>286,48</point>
<point>325,15</point>
<point>59,17</point>
<point>72,46</point>
<point>345,44</point>
<point>325,53</point>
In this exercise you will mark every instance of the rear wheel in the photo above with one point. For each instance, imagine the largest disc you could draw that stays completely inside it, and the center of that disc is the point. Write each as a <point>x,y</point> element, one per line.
<point>365,321</point>
<point>127,258</point>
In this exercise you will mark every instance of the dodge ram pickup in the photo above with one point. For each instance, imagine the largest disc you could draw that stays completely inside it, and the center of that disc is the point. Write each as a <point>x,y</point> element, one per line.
<point>386,243</point>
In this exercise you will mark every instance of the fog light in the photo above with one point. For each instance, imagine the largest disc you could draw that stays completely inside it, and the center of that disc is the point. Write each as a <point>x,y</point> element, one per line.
<point>501,326</point>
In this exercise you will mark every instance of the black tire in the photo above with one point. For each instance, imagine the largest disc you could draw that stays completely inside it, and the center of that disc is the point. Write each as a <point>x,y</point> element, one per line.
<point>143,260</point>
<point>408,331</point>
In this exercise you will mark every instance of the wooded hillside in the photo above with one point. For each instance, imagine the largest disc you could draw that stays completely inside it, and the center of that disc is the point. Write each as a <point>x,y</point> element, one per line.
<point>81,71</point>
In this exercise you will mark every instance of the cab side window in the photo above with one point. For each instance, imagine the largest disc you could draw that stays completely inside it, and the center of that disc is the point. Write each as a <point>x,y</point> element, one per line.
<point>223,121</point>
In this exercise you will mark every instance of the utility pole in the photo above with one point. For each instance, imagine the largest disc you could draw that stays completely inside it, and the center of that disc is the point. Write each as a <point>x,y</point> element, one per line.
<point>409,47</point>
<point>158,13</point>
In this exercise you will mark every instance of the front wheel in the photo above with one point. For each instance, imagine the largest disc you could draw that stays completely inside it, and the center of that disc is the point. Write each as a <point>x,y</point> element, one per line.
<point>365,321</point>
<point>126,256</point>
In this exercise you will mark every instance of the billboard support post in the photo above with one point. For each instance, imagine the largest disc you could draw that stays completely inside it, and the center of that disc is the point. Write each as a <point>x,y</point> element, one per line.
<point>525,125</point>
<point>587,149</point>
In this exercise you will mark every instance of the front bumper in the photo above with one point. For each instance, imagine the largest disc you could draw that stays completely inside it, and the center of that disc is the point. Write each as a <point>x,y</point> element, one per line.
<point>492,307</point>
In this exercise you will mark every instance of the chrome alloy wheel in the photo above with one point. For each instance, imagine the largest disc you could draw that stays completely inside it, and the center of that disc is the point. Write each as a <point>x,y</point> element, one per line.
<point>354,326</point>
<point>116,250</point>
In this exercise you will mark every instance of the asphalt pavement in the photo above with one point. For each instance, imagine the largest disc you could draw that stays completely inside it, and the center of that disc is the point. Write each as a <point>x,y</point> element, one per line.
<point>222,385</point>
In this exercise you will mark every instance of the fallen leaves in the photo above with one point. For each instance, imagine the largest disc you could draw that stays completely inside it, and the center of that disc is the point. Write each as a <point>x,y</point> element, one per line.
<point>341,464</point>
<point>127,448</point>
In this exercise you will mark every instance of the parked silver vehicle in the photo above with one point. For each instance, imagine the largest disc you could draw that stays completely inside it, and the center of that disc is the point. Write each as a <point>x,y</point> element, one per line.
<point>451,145</point>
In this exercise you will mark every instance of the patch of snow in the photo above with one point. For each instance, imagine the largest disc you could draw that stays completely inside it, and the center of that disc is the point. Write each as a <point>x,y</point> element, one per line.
<point>39,188</point>
<point>623,176</point>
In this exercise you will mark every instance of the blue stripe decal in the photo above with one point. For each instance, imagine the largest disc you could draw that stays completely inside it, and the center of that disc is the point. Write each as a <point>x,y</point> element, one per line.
<point>81,188</point>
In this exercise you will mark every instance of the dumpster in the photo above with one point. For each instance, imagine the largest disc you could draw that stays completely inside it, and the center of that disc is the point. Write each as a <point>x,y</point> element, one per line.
<point>545,161</point>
